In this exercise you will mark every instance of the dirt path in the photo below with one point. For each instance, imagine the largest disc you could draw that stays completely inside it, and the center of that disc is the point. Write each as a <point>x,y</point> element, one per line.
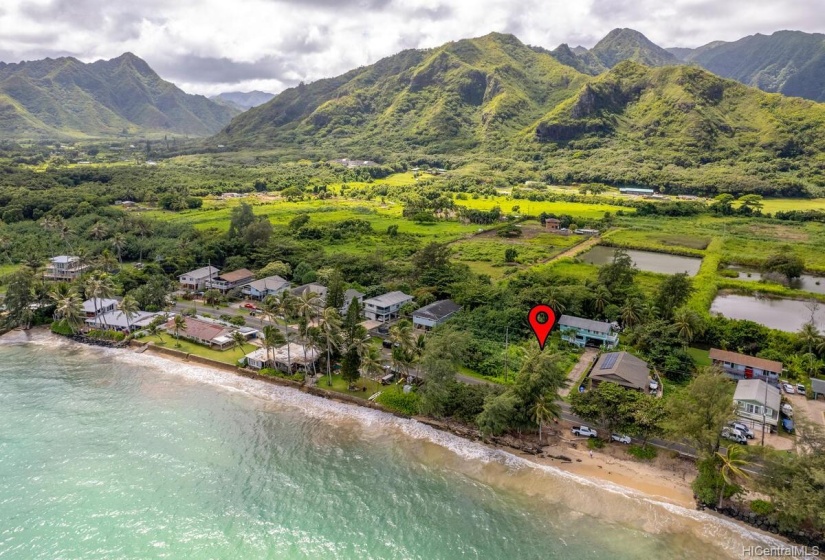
<point>575,250</point>
<point>585,360</point>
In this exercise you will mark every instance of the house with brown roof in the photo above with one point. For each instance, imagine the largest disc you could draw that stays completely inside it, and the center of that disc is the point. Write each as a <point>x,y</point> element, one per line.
<point>230,280</point>
<point>622,369</point>
<point>741,366</point>
<point>210,333</point>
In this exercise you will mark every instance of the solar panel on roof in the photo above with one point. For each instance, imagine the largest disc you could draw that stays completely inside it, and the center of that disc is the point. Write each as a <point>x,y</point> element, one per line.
<point>609,361</point>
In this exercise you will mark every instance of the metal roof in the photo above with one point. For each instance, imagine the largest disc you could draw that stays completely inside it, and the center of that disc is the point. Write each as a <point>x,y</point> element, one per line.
<point>89,304</point>
<point>437,310</point>
<point>745,360</point>
<point>587,324</point>
<point>755,390</point>
<point>391,298</point>
<point>269,283</point>
<point>203,272</point>
<point>621,368</point>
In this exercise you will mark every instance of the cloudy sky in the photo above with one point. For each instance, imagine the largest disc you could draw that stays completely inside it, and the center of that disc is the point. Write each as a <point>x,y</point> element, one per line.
<point>209,46</point>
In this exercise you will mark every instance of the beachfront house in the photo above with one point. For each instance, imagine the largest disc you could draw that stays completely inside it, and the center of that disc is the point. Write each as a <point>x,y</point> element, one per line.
<point>230,280</point>
<point>210,333</point>
<point>288,358</point>
<point>434,314</point>
<point>64,268</point>
<point>586,332</point>
<point>741,366</point>
<point>94,307</point>
<point>622,369</point>
<point>385,307</point>
<point>755,399</point>
<point>117,321</point>
<point>195,280</point>
<point>269,286</point>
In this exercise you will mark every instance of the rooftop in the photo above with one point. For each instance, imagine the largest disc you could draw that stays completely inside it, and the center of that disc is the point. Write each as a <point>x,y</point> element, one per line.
<point>118,319</point>
<point>64,259</point>
<point>437,310</point>
<point>296,354</point>
<point>89,305</point>
<point>195,328</point>
<point>391,298</point>
<point>745,360</point>
<point>756,390</point>
<point>236,275</point>
<point>622,368</point>
<point>269,283</point>
<point>317,289</point>
<point>204,272</point>
<point>587,324</point>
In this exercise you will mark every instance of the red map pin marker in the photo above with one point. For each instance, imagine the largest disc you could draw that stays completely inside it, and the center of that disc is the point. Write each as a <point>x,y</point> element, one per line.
<point>542,330</point>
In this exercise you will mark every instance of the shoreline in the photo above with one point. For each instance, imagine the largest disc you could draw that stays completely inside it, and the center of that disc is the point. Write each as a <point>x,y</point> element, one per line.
<point>651,479</point>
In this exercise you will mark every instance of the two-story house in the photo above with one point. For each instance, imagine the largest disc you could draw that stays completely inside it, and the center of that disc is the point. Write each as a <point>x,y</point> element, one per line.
<point>741,366</point>
<point>757,400</point>
<point>64,268</point>
<point>269,286</point>
<point>584,332</point>
<point>230,280</point>
<point>93,308</point>
<point>195,280</point>
<point>385,307</point>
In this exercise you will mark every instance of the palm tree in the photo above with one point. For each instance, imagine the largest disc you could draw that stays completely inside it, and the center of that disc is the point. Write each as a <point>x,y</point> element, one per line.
<point>403,345</point>
<point>129,307</point>
<point>155,330</point>
<point>371,363</point>
<point>330,327</point>
<point>98,231</point>
<point>272,338</point>
<point>306,308</point>
<point>686,322</point>
<point>70,309</point>
<point>118,242</point>
<point>601,298</point>
<point>180,325</point>
<point>733,463</point>
<point>543,410</point>
<point>285,307</point>
<point>630,313</point>
<point>99,286</point>
<point>238,341</point>
<point>809,337</point>
<point>553,301</point>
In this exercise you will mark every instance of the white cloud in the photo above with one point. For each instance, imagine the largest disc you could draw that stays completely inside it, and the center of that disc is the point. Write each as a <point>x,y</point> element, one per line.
<point>208,46</point>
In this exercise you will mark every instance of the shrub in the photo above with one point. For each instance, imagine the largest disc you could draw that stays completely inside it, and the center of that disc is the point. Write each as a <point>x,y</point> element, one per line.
<point>62,328</point>
<point>238,320</point>
<point>642,452</point>
<point>405,403</point>
<point>595,443</point>
<point>761,507</point>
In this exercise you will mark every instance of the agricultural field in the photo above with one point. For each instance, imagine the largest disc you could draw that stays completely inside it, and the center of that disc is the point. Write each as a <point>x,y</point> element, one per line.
<point>581,272</point>
<point>580,210</point>
<point>484,253</point>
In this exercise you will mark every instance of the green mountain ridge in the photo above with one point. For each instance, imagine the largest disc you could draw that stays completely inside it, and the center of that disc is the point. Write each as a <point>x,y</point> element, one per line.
<point>676,126</point>
<point>66,97</point>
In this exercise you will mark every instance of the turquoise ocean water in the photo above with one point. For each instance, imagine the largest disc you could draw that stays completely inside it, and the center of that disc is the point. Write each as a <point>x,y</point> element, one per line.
<point>111,454</point>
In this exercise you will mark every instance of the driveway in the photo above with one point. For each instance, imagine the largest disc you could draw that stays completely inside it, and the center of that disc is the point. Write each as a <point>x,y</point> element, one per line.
<point>585,361</point>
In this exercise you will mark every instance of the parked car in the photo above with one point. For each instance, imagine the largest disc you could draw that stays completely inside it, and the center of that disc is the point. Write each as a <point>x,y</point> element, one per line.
<point>250,306</point>
<point>787,410</point>
<point>653,385</point>
<point>800,388</point>
<point>743,428</point>
<point>788,388</point>
<point>734,435</point>
<point>620,438</point>
<point>787,423</point>
<point>584,431</point>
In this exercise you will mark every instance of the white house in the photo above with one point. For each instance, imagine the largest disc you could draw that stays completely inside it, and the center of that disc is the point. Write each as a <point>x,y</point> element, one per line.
<point>98,306</point>
<point>434,314</point>
<point>230,280</point>
<point>64,268</point>
<point>195,280</point>
<point>755,398</point>
<point>350,295</point>
<point>117,320</point>
<point>269,286</point>
<point>385,307</point>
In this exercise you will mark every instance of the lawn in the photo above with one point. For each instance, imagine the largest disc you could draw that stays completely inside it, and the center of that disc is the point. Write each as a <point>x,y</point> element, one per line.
<point>340,385</point>
<point>227,356</point>
<point>699,356</point>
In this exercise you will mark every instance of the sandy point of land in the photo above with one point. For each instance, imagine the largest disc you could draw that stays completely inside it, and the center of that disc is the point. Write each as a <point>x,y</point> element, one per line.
<point>665,478</point>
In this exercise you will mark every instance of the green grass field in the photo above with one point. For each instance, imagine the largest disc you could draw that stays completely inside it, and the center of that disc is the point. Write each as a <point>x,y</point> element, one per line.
<point>227,356</point>
<point>576,209</point>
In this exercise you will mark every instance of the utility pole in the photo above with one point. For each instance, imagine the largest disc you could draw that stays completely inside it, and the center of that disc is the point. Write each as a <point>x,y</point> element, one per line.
<point>764,409</point>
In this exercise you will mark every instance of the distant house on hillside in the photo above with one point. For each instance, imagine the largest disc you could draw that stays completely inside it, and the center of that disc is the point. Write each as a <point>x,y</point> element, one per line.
<point>741,366</point>
<point>434,314</point>
<point>754,397</point>
<point>385,307</point>
<point>584,332</point>
<point>230,280</point>
<point>622,369</point>
<point>353,163</point>
<point>64,268</point>
<point>195,280</point>
<point>269,286</point>
<point>637,191</point>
